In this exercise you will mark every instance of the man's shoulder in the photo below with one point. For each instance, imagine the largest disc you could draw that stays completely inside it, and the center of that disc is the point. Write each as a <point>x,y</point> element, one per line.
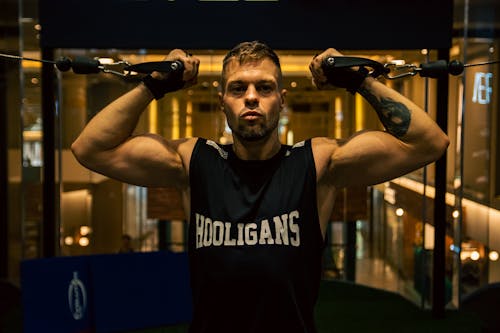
<point>211,146</point>
<point>322,143</point>
<point>185,146</point>
<point>323,149</point>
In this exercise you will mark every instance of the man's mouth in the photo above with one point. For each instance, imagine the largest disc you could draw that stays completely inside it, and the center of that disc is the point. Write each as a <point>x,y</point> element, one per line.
<point>250,115</point>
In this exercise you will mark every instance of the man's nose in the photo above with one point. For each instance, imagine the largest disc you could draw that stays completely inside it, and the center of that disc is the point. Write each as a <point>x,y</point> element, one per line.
<point>251,96</point>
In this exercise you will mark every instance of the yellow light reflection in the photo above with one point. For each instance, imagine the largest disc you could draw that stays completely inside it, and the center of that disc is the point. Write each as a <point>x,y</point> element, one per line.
<point>189,119</point>
<point>359,115</point>
<point>153,116</point>
<point>339,116</point>
<point>175,119</point>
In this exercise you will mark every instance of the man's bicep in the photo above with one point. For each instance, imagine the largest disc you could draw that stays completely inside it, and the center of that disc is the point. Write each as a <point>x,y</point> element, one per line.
<point>145,160</point>
<point>371,158</point>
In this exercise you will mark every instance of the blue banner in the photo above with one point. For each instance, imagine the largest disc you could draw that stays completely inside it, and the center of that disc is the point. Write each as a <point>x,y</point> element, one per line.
<point>105,293</point>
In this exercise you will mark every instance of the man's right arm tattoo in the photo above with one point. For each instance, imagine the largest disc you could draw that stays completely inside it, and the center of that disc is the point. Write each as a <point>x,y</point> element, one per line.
<point>395,116</point>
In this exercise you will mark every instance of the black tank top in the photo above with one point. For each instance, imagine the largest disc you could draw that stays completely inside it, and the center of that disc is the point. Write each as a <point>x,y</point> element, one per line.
<point>255,243</point>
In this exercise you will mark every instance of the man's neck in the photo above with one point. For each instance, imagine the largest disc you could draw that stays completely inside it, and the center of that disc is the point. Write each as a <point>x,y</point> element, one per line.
<point>256,150</point>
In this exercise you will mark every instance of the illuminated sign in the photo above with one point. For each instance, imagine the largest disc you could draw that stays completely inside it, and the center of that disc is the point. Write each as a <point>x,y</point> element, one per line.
<point>482,88</point>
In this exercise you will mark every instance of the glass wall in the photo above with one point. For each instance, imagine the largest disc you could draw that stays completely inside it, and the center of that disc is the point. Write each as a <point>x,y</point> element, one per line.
<point>475,217</point>
<point>21,126</point>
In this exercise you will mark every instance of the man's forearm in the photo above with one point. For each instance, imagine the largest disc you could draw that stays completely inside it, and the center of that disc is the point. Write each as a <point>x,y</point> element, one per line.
<point>394,115</point>
<point>404,119</point>
<point>116,122</point>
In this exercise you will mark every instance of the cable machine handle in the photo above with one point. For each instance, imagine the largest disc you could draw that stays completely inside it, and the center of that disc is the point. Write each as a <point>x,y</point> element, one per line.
<point>440,68</point>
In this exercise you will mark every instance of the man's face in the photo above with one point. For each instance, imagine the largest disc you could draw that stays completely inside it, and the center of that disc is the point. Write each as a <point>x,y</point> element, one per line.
<point>252,99</point>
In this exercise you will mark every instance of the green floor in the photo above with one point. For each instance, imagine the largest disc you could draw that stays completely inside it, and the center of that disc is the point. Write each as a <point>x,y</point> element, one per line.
<point>345,307</point>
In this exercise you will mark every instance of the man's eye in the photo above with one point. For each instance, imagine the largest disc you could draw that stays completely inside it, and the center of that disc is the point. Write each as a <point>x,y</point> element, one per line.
<point>237,89</point>
<point>265,89</point>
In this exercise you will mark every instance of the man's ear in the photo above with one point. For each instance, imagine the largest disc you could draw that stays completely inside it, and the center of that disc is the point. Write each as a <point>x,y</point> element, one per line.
<point>283,97</point>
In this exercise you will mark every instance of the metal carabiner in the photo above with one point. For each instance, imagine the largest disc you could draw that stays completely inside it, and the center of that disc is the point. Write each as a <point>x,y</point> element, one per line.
<point>403,70</point>
<point>117,68</point>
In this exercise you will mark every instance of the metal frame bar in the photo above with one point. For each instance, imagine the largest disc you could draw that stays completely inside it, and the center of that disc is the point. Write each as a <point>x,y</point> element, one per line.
<point>4,176</point>
<point>438,267</point>
<point>49,226</point>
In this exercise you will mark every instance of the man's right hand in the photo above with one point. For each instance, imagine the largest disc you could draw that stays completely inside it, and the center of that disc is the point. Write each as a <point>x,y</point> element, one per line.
<point>348,78</point>
<point>191,64</point>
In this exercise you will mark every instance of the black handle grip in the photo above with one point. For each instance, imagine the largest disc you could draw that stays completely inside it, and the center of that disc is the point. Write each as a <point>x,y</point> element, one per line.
<point>339,71</point>
<point>172,82</point>
<point>441,68</point>
<point>157,66</point>
<point>63,64</point>
<point>329,64</point>
<point>84,65</point>
<point>434,69</point>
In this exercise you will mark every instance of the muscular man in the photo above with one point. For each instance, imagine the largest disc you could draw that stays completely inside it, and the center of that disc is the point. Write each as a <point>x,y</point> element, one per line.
<point>257,209</point>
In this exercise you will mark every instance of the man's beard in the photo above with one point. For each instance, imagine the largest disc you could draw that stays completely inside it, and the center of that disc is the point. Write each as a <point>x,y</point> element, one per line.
<point>255,132</point>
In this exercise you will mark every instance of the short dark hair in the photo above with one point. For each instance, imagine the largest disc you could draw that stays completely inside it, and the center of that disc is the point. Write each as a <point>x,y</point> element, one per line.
<point>250,51</point>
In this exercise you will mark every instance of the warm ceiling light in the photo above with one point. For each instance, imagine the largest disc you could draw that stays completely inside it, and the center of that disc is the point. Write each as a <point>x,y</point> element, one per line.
<point>400,212</point>
<point>85,230</point>
<point>475,255</point>
<point>68,240</point>
<point>83,241</point>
